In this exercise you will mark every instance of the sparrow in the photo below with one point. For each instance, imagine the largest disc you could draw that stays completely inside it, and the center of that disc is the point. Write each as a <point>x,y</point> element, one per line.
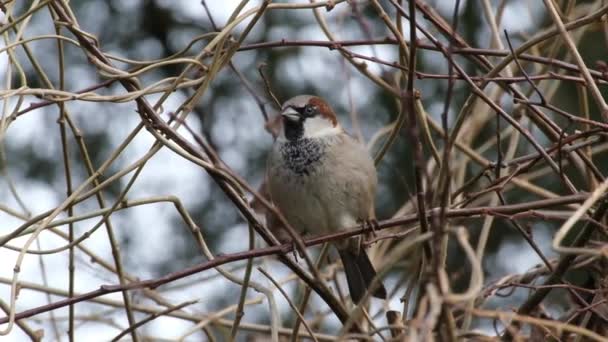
<point>322,180</point>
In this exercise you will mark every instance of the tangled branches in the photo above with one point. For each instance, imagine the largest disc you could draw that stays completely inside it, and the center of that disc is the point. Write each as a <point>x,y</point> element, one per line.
<point>488,145</point>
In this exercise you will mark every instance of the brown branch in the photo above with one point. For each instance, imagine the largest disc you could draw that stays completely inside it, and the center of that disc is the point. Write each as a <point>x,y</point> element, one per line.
<point>563,264</point>
<point>288,247</point>
<point>153,122</point>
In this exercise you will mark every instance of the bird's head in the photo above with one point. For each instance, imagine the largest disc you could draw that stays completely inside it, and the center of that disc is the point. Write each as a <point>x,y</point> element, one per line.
<point>307,116</point>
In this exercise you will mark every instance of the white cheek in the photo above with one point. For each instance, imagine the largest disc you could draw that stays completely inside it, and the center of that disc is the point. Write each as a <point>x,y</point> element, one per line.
<point>318,127</point>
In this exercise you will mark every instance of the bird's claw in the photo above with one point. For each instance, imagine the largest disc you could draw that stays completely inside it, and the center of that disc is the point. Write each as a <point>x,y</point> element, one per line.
<point>295,250</point>
<point>371,224</point>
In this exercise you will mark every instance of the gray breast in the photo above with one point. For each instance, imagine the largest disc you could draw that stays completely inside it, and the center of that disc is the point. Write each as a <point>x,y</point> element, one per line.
<point>302,156</point>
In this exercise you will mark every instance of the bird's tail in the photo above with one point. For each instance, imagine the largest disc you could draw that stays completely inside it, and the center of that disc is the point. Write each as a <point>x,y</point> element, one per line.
<point>359,274</point>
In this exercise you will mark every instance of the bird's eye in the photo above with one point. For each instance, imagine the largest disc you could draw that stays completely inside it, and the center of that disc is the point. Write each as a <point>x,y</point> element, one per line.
<point>309,110</point>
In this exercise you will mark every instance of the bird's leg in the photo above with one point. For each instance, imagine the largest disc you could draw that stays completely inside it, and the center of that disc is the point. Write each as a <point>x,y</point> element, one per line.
<point>295,250</point>
<point>372,224</point>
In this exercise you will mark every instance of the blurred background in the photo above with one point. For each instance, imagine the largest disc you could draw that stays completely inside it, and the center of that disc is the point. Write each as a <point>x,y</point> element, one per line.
<point>153,238</point>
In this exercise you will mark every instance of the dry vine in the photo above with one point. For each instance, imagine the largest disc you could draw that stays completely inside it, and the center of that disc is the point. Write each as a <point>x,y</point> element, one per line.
<point>532,168</point>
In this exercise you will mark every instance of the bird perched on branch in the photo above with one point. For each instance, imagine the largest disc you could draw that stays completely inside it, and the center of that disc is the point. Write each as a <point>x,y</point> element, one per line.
<point>322,180</point>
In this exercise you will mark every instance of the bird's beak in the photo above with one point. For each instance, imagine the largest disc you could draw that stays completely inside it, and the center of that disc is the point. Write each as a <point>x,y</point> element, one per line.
<point>290,114</point>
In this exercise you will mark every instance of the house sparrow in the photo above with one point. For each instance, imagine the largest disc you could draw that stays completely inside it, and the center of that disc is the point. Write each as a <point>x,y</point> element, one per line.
<point>322,180</point>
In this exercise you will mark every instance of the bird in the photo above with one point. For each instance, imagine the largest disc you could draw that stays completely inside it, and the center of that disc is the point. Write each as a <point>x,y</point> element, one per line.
<point>323,180</point>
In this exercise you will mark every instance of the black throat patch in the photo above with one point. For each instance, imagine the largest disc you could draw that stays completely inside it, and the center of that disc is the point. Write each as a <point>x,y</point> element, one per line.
<point>303,155</point>
<point>294,130</point>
